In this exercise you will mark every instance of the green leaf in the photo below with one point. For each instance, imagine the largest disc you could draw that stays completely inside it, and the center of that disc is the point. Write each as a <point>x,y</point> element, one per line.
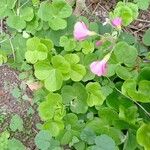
<point>69,44</point>
<point>3,9</point>
<point>43,140</point>
<point>75,97</point>
<point>87,47</point>
<point>67,137</point>
<point>52,107</point>
<point>31,56</point>
<point>143,4</point>
<point>68,94</point>
<point>127,37</point>
<point>72,58</point>
<point>57,24</point>
<point>104,142</point>
<point>143,136</point>
<point>108,115</point>
<point>16,22</point>
<point>125,53</point>
<point>54,13</point>
<point>45,11</point>
<point>140,94</point>
<point>130,142</point>
<point>4,140</point>
<point>42,70</point>
<point>11,3</point>
<point>19,44</point>
<point>54,81</point>
<point>61,8</point>
<point>26,13</point>
<point>123,72</point>
<point>128,114</point>
<point>61,64</point>
<point>3,57</point>
<point>88,136</point>
<point>16,92</point>
<point>54,127</point>
<point>99,127</point>
<point>16,123</point>
<point>95,95</point>
<point>144,74</point>
<point>33,43</point>
<point>32,25</point>
<point>15,144</point>
<point>146,39</point>
<point>126,11</point>
<point>77,72</point>
<point>48,43</point>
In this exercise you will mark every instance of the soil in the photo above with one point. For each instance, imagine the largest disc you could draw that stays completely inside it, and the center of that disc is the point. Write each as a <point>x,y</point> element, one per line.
<point>101,8</point>
<point>10,105</point>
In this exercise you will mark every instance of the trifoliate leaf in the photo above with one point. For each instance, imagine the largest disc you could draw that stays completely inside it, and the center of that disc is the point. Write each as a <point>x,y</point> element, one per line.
<point>95,95</point>
<point>75,97</point>
<point>125,53</point>
<point>61,64</point>
<point>52,107</point>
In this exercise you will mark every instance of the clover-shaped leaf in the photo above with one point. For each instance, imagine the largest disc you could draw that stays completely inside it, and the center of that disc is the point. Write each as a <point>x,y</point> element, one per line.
<point>52,107</point>
<point>95,95</point>
<point>141,93</point>
<point>126,54</point>
<point>143,136</point>
<point>75,97</point>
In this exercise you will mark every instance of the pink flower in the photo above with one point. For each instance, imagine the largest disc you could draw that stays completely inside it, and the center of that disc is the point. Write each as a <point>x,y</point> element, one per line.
<point>117,22</point>
<point>99,67</point>
<point>99,43</point>
<point>81,31</point>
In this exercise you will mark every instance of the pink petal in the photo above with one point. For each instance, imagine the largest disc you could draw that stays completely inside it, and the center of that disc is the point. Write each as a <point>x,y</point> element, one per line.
<point>117,22</point>
<point>99,43</point>
<point>81,31</point>
<point>99,67</point>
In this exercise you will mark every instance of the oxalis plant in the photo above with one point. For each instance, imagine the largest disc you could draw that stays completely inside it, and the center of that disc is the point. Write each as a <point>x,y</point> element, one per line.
<point>94,77</point>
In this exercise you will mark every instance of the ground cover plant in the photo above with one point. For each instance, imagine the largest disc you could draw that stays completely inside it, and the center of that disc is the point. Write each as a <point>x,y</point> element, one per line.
<point>90,80</point>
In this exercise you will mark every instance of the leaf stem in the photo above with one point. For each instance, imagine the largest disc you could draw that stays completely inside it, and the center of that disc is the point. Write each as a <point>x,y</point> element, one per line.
<point>12,48</point>
<point>146,112</point>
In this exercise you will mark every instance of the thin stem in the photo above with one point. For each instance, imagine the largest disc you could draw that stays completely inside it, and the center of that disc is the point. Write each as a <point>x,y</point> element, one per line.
<point>13,50</point>
<point>1,26</point>
<point>134,102</point>
<point>23,4</point>
<point>131,100</point>
<point>5,40</point>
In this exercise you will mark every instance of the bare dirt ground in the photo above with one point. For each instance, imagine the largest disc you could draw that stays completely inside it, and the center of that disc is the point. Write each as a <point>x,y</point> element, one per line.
<point>10,105</point>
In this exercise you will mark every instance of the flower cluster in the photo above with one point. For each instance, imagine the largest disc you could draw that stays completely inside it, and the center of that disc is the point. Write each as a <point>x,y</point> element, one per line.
<point>81,32</point>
